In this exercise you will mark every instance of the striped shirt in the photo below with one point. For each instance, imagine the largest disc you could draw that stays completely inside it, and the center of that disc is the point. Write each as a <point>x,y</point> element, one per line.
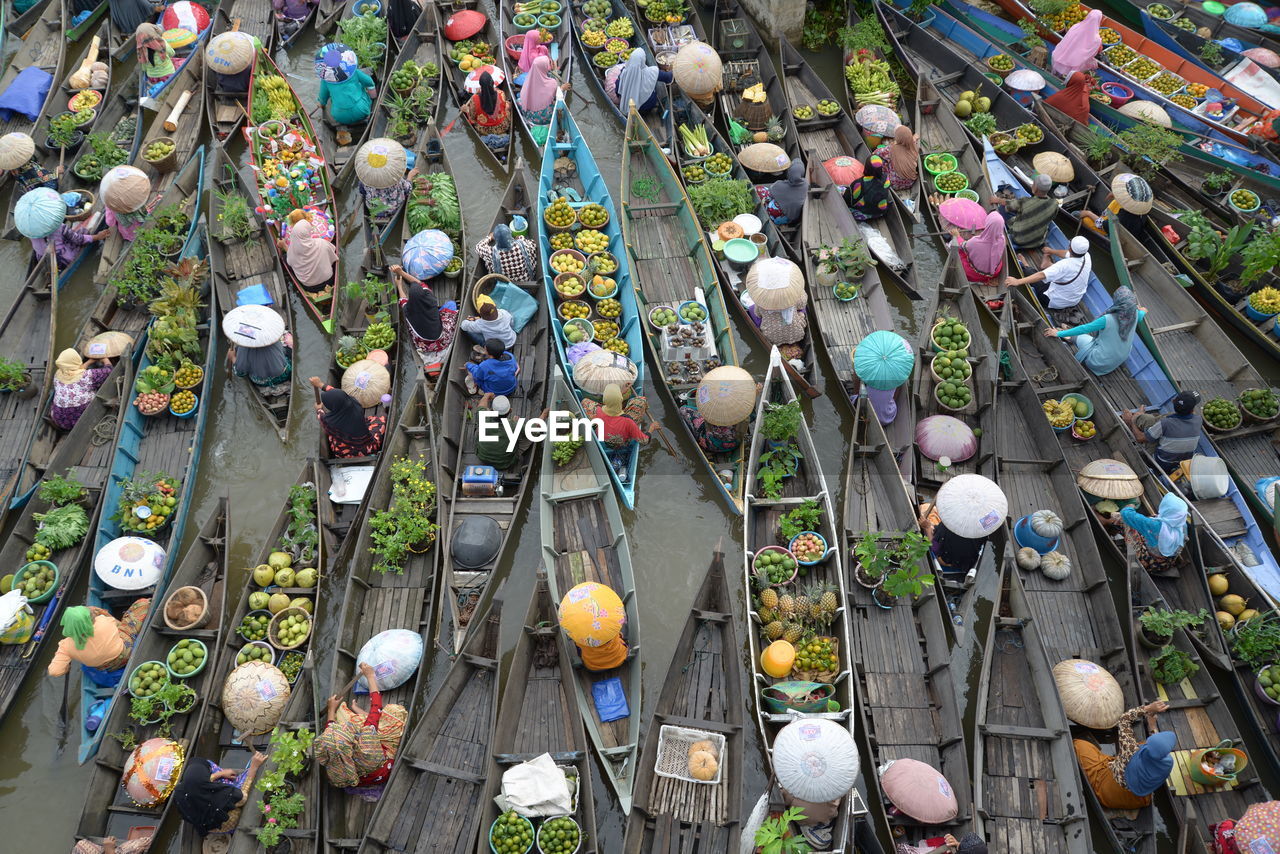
<point>1033,216</point>
<point>1176,437</point>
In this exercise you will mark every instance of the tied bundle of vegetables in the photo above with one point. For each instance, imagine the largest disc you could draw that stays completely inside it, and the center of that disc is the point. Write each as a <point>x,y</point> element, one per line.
<point>62,527</point>
<point>695,141</point>
<point>434,204</point>
<point>871,82</point>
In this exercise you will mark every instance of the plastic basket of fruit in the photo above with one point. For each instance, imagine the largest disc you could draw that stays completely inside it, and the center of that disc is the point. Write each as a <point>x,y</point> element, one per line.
<point>1082,430</point>
<point>937,164</point>
<point>692,311</point>
<point>804,112</point>
<point>809,548</point>
<point>560,835</point>
<point>574,309</point>
<point>1184,24</point>
<point>188,376</point>
<point>186,658</point>
<point>1197,90</point>
<point>822,655</point>
<point>1000,64</point>
<point>953,396</point>
<point>1166,83</point>
<point>590,240</point>
<point>524,21</point>
<point>1258,404</point>
<point>845,291</point>
<point>676,748</point>
<point>1159,11</point>
<point>718,164</point>
<point>1266,684</point>
<point>1100,96</point>
<point>967,194</point>
<point>693,173</point>
<point>560,215</point>
<point>148,678</point>
<point>950,182</point>
<point>662,316</point>
<point>1262,305</point>
<point>605,262</point>
<point>570,286</point>
<point>950,366</point>
<point>609,308</point>
<point>592,39</point>
<point>37,581</point>
<point>253,625</point>
<point>289,629</point>
<point>1222,415</point>
<point>256,651</point>
<point>290,664</point>
<point>1075,399</point>
<point>549,21</point>
<point>1245,201</point>
<point>774,566</point>
<point>184,404</point>
<point>593,216</point>
<point>1108,36</point>
<point>1142,69</point>
<point>511,833</point>
<point>603,287</point>
<point>1182,99</point>
<point>1119,55</point>
<point>605,330</point>
<point>567,261</point>
<point>578,331</point>
<point>1058,414</point>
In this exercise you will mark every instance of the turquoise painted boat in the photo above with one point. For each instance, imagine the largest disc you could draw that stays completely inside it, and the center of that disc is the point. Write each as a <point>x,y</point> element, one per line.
<point>146,444</point>
<point>585,186</point>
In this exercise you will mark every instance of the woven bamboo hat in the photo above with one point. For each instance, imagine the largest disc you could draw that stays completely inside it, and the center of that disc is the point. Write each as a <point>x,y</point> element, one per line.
<point>366,381</point>
<point>1055,165</point>
<point>15,149</point>
<point>254,696</point>
<point>600,368</point>
<point>1090,695</point>
<point>230,52</point>
<point>775,284</point>
<point>764,157</point>
<point>726,395</point>
<point>697,69</point>
<point>380,163</point>
<point>1147,111</point>
<point>1132,193</point>
<point>124,189</point>
<point>108,345</point>
<point>1107,478</point>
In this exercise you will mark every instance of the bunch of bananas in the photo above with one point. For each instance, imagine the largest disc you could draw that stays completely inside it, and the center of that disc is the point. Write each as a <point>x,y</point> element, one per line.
<point>278,95</point>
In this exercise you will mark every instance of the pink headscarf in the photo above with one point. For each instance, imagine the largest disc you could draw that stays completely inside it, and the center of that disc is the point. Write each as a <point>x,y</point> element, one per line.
<point>986,248</point>
<point>533,48</point>
<point>539,90</point>
<point>310,257</point>
<point>1078,50</point>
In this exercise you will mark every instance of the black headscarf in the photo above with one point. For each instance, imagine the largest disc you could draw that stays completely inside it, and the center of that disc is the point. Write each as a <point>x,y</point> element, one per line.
<point>344,418</point>
<point>205,804</point>
<point>401,15</point>
<point>789,193</point>
<point>873,185</point>
<point>488,94</point>
<point>262,363</point>
<point>423,312</point>
<point>126,15</point>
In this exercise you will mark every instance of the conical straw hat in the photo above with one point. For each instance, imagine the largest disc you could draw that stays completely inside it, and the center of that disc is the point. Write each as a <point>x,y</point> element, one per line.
<point>971,505</point>
<point>1108,478</point>
<point>726,395</point>
<point>599,368</point>
<point>697,69</point>
<point>775,284</point>
<point>1132,193</point>
<point>1055,165</point>
<point>15,149</point>
<point>380,163</point>
<point>230,52</point>
<point>1147,111</point>
<point>254,696</point>
<point>919,790</point>
<point>124,189</point>
<point>764,157</point>
<point>366,381</point>
<point>1090,695</point>
<point>107,345</point>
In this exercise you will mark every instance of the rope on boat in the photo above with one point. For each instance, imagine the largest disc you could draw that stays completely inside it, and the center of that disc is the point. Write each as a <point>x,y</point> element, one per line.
<point>104,431</point>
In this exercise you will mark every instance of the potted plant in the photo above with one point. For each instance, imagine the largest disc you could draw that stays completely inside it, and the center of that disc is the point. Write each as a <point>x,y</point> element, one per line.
<point>1210,246</point>
<point>1158,625</point>
<point>874,558</point>
<point>1150,146</point>
<point>235,217</point>
<point>1256,642</point>
<point>775,467</point>
<point>280,812</point>
<point>908,580</point>
<point>1171,665</point>
<point>911,549</point>
<point>59,490</point>
<point>64,132</point>
<point>302,534</point>
<point>178,697</point>
<point>372,291</point>
<point>1098,147</point>
<point>15,377</point>
<point>781,422</point>
<point>774,834</point>
<point>1261,257</point>
<point>805,517</point>
<point>1216,183</point>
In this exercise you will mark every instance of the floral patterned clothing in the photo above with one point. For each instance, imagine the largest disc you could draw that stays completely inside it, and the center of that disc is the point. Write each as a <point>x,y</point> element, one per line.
<point>70,400</point>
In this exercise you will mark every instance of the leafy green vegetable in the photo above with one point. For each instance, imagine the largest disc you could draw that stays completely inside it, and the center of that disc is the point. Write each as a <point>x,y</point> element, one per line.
<point>721,199</point>
<point>434,204</point>
<point>62,527</point>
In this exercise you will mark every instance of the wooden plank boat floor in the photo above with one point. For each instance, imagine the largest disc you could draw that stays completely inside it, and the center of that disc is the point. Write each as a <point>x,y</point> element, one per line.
<point>825,142</point>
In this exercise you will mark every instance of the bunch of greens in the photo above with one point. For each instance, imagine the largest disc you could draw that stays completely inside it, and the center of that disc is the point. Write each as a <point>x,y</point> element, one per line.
<point>1205,243</point>
<point>1152,147</point>
<point>721,199</point>
<point>105,152</point>
<point>1256,642</point>
<point>434,204</point>
<point>235,216</point>
<point>301,536</point>
<point>405,525</point>
<point>62,527</point>
<point>366,35</point>
<point>866,34</point>
<point>57,489</point>
<point>1261,255</point>
<point>13,375</point>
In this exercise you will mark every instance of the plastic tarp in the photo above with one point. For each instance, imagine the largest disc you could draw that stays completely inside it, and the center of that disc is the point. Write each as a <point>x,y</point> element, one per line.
<point>536,789</point>
<point>1253,79</point>
<point>521,305</point>
<point>25,95</point>
<point>610,700</point>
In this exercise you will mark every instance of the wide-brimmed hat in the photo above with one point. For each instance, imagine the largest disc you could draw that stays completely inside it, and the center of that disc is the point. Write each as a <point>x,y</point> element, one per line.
<point>1108,478</point>
<point>1090,695</point>
<point>1147,111</point>
<point>253,326</point>
<point>15,150</point>
<point>726,395</point>
<point>764,157</point>
<point>230,52</point>
<point>380,163</point>
<point>1132,193</point>
<point>1055,165</point>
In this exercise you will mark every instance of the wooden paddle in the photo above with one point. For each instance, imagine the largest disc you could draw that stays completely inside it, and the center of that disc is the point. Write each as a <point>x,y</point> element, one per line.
<point>664,439</point>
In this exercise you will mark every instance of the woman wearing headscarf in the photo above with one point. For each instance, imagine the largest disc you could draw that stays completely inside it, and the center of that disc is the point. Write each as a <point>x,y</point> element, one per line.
<point>358,746</point>
<point>1078,50</point>
<point>389,199</point>
<point>514,257</point>
<point>982,256</point>
<point>267,367</point>
<point>638,83</point>
<point>1104,342</point>
<point>401,16</point>
<point>971,843</point>
<point>311,257</point>
<point>99,642</point>
<point>430,325</point>
<point>67,241</point>
<point>868,197</point>
<point>784,199</point>
<point>1157,541</point>
<point>489,112</point>
<point>74,385</point>
<point>901,156</point>
<point>538,95</point>
<point>531,49</point>
<point>155,55</point>
<point>209,798</point>
<point>126,15</point>
<point>1073,98</point>
<point>621,421</point>
<point>347,90</point>
<point>1127,780</point>
<point>351,433</point>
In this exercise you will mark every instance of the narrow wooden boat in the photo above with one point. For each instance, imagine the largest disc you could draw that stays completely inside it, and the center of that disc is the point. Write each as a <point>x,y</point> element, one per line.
<point>489,507</point>
<point>87,458</point>
<point>189,127</point>
<point>842,324</point>
<point>1191,28</point>
<point>499,156</point>
<point>918,717</point>
<point>296,532</point>
<point>1026,783</point>
<point>588,185</point>
<point>536,717</point>
<point>584,539</point>
<point>434,792</point>
<point>155,445</point>
<point>45,48</point>
<point>226,112</point>
<point>108,808</point>
<point>659,118</point>
<point>28,331</point>
<point>18,24</point>
<point>120,116</point>
<point>762,524</point>
<point>701,697</point>
<point>237,264</point>
<point>320,304</point>
<point>670,266</point>
<point>561,51</point>
<point>88,25</point>
<point>286,35</point>
<point>1076,616</point>
<point>376,601</point>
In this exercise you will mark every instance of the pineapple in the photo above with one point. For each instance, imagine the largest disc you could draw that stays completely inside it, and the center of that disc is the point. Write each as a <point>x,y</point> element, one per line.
<point>769,599</point>
<point>792,633</point>
<point>827,602</point>
<point>767,615</point>
<point>773,630</point>
<point>786,606</point>
<point>773,129</point>
<point>803,603</point>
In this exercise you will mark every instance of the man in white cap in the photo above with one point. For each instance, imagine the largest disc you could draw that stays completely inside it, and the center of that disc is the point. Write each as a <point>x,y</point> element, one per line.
<point>1061,285</point>
<point>494,452</point>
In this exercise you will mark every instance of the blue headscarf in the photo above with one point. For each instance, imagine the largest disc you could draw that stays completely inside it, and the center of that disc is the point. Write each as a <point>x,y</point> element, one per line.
<point>1150,766</point>
<point>1173,525</point>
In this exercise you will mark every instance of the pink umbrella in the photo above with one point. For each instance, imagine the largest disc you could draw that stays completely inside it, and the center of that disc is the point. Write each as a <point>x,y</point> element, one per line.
<point>964,214</point>
<point>919,790</point>
<point>1262,56</point>
<point>473,79</point>
<point>941,436</point>
<point>1260,823</point>
<point>844,170</point>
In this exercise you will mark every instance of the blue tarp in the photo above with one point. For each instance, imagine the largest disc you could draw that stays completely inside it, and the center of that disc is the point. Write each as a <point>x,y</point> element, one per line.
<point>25,95</point>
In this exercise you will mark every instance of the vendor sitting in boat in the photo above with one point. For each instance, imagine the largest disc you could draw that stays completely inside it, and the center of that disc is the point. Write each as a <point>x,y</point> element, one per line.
<point>155,54</point>
<point>1061,285</point>
<point>431,326</point>
<point>344,88</point>
<point>538,92</point>
<point>1028,218</point>
<point>489,112</point>
<point>1104,343</point>
<point>982,256</point>
<point>1176,434</point>
<point>126,15</point>
<point>901,157</point>
<point>490,323</point>
<point>621,421</point>
<point>350,432</point>
<point>210,798</point>
<point>869,197</point>
<point>98,641</point>
<point>40,216</point>
<point>784,198</point>
<point>972,843</point>
<point>291,15</point>
<point>592,616</point>
<point>268,367</point>
<point>74,385</point>
<point>1127,780</point>
<point>109,845</point>
<point>498,373</point>
<point>719,412</point>
<point>514,257</point>
<point>18,160</point>
<point>311,256</point>
<point>230,59</point>
<point>638,83</point>
<point>358,746</point>
<point>1157,540</point>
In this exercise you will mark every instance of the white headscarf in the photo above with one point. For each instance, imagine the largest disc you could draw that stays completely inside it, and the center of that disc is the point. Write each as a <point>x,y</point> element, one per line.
<point>637,81</point>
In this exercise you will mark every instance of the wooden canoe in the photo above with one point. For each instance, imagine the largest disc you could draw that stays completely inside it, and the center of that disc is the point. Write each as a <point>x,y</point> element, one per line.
<point>561,50</point>
<point>1026,782</point>
<point>43,47</point>
<point>238,264</point>
<point>463,588</point>
<point>108,808</point>
<point>17,24</point>
<point>671,265</point>
<point>89,24</point>
<point>156,444</point>
<point>924,721</point>
<point>87,458</point>
<point>588,185</point>
<point>375,602</point>
<point>702,693</point>
<point>121,116</point>
<point>584,539</point>
<point>217,740</point>
<point>434,794</point>
<point>190,124</point>
<point>499,157</point>
<point>287,33</point>
<point>226,111</point>
<point>321,304</point>
<point>536,716</point>
<point>659,118</point>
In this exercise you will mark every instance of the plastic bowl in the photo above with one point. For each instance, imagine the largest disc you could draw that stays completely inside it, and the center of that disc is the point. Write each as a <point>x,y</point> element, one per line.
<point>189,413</point>
<point>48,594</point>
<point>938,177</point>
<point>204,661</point>
<point>527,823</point>
<point>778,550</point>
<point>587,326</point>
<point>951,163</point>
<point>741,252</point>
<point>128,682</point>
<point>254,613</point>
<point>268,647</point>
<point>826,549</point>
<point>1080,397</point>
<point>968,194</point>
<point>692,302</point>
<point>654,309</point>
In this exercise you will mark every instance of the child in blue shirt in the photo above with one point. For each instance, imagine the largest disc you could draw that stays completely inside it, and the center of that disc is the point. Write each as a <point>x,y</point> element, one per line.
<point>497,374</point>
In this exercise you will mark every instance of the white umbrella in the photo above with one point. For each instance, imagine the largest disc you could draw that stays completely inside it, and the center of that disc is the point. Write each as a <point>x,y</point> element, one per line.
<point>253,326</point>
<point>129,563</point>
<point>815,760</point>
<point>971,505</point>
